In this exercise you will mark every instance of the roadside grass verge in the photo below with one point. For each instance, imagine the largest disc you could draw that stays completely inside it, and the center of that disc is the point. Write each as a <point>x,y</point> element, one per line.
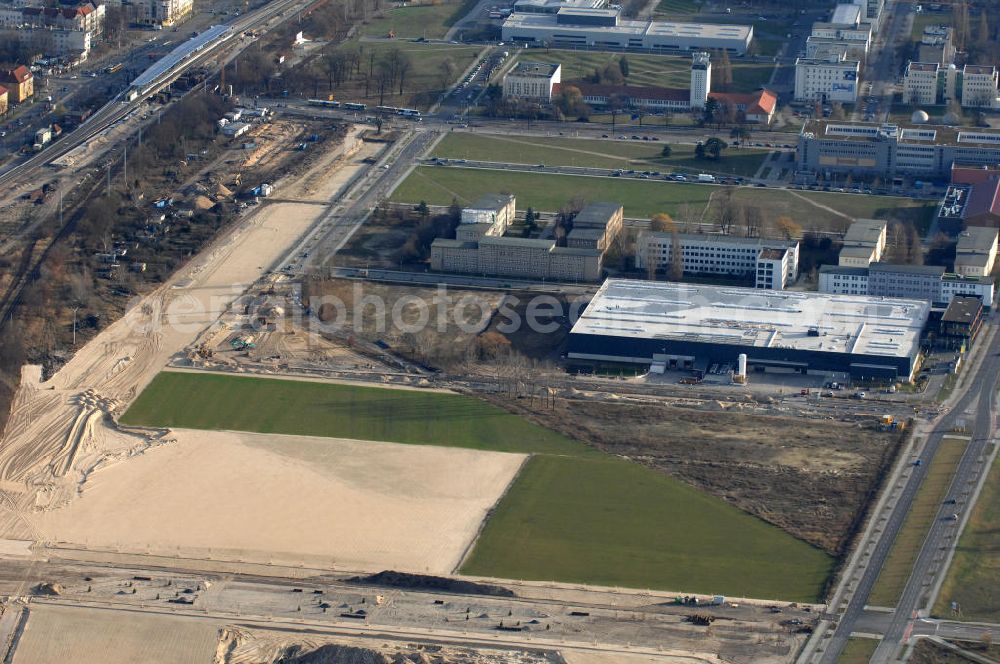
<point>858,651</point>
<point>573,514</point>
<point>974,578</point>
<point>926,505</point>
<point>558,151</point>
<point>438,185</point>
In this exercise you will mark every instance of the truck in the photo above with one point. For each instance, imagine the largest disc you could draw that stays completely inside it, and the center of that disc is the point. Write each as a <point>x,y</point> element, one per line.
<point>705,177</point>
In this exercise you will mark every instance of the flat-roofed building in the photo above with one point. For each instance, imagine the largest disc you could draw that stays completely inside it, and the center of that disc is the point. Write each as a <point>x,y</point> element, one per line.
<point>979,87</point>
<point>832,77</point>
<point>553,6</point>
<point>490,214</point>
<point>863,243</point>
<point>827,147</point>
<point>482,248</point>
<point>976,251</point>
<point>605,28</point>
<point>692,325</point>
<point>532,80</point>
<point>920,83</point>
<point>926,282</point>
<point>771,263</point>
<point>961,323</point>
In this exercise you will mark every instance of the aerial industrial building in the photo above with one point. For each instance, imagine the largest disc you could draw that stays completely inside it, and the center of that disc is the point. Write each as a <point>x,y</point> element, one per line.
<point>690,326</point>
<point>577,27</point>
<point>860,148</point>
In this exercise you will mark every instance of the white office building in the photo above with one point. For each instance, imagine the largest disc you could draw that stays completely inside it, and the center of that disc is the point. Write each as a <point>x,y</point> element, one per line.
<point>774,264</point>
<point>979,87</point>
<point>531,80</point>
<point>920,83</point>
<point>701,79</point>
<point>830,78</point>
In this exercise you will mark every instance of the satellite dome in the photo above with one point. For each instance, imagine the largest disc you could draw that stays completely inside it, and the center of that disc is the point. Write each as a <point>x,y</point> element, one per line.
<point>951,118</point>
<point>919,117</point>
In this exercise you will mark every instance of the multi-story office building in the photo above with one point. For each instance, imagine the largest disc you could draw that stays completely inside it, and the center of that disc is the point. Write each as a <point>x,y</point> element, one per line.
<point>925,282</point>
<point>478,250</point>
<point>605,28</point>
<point>979,87</point>
<point>976,251</point>
<point>532,80</point>
<point>773,264</point>
<point>828,147</point>
<point>863,243</point>
<point>920,83</point>
<point>832,77</point>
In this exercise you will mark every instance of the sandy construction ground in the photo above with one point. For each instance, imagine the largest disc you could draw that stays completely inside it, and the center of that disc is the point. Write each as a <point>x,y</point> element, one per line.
<point>69,474</point>
<point>97,636</point>
<point>331,503</point>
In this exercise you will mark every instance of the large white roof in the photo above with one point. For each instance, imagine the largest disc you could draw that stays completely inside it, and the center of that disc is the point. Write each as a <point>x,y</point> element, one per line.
<point>810,321</point>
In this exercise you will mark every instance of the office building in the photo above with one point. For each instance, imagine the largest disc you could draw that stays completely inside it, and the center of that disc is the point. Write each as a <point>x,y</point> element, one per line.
<point>960,324</point>
<point>863,243</point>
<point>828,147</point>
<point>830,78</point>
<point>481,248</point>
<point>605,28</point>
<point>532,80</point>
<point>19,83</point>
<point>772,264</point>
<point>920,83</point>
<point>691,326</point>
<point>979,87</point>
<point>925,282</point>
<point>976,251</point>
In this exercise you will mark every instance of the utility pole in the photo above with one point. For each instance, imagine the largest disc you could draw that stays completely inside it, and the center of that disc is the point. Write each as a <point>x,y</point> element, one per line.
<point>75,309</point>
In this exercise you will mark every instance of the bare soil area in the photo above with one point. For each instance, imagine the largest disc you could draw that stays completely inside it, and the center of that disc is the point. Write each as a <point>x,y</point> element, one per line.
<point>344,504</point>
<point>810,478</point>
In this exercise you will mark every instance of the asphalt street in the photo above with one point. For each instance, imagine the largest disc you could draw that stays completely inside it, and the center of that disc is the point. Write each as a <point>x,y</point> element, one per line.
<point>975,414</point>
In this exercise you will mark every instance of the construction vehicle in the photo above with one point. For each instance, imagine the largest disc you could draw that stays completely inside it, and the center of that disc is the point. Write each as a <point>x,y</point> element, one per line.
<point>242,343</point>
<point>890,423</point>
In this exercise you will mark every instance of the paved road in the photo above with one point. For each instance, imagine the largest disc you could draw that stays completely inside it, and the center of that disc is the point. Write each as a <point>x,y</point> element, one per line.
<point>977,415</point>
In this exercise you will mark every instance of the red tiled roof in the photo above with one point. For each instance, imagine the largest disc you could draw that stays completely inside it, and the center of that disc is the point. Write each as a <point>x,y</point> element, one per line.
<point>761,102</point>
<point>983,199</point>
<point>973,174</point>
<point>18,74</point>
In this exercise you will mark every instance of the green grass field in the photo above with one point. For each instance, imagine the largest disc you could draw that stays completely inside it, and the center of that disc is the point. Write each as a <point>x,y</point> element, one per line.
<point>643,198</point>
<point>896,570</point>
<point>430,21</point>
<point>213,401</point>
<point>974,577</point>
<point>858,651</point>
<point>657,70</point>
<point>558,151</point>
<point>573,515</point>
<point>633,527</point>
<point>677,7</point>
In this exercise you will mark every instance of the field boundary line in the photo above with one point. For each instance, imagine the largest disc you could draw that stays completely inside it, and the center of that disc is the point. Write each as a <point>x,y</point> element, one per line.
<point>489,514</point>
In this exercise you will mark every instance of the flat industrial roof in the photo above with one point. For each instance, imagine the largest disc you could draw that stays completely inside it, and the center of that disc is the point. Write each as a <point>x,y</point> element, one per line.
<point>490,202</point>
<point>658,28</point>
<point>178,54</point>
<point>535,69</point>
<point>906,134</point>
<point>596,214</point>
<point>855,324</point>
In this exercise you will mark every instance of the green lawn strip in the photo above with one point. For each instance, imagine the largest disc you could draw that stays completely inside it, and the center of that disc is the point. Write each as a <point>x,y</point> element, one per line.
<point>858,651</point>
<point>558,151</point>
<point>685,7</point>
<point>974,577</point>
<point>264,405</point>
<point>612,522</point>
<point>896,570</point>
<point>437,185</point>
<point>430,21</point>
